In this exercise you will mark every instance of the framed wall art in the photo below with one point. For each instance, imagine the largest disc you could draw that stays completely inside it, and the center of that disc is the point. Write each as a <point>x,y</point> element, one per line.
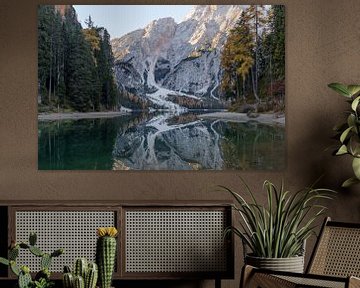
<point>161,87</point>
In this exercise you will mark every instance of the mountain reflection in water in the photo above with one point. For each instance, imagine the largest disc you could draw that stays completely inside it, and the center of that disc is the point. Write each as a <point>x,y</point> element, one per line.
<point>160,141</point>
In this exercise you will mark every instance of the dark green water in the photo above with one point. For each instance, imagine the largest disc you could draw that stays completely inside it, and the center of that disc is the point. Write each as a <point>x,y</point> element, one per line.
<point>159,142</point>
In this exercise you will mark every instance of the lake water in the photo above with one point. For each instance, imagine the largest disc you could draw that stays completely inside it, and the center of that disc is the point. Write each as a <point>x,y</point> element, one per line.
<point>159,141</point>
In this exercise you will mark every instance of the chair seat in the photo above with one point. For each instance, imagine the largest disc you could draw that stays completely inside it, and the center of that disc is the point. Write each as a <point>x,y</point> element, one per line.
<point>268,279</point>
<point>314,282</point>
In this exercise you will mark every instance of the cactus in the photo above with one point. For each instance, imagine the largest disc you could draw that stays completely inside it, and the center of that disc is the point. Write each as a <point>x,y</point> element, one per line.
<point>68,280</point>
<point>13,253</point>
<point>105,254</point>
<point>4,261</point>
<point>14,268</point>
<point>45,261</point>
<point>32,238</point>
<point>91,276</point>
<point>24,278</point>
<point>36,251</point>
<point>80,268</point>
<point>89,272</point>
<point>79,282</point>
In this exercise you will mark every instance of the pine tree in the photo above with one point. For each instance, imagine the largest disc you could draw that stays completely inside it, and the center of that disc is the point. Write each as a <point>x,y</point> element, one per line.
<point>80,66</point>
<point>255,15</point>
<point>278,34</point>
<point>45,23</point>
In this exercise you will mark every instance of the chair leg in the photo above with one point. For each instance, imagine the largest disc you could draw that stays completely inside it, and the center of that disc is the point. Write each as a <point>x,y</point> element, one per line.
<point>246,274</point>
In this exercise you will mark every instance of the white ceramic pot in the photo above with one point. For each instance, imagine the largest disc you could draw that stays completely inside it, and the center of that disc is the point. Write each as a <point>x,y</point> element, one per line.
<point>291,264</point>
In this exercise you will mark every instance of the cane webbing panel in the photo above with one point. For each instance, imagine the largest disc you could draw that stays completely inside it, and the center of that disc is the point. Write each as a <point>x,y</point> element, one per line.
<point>175,241</point>
<point>338,252</point>
<point>313,282</point>
<point>75,231</point>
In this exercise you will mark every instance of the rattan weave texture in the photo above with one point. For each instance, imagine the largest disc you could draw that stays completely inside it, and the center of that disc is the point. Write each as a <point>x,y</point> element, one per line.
<point>75,231</point>
<point>175,241</point>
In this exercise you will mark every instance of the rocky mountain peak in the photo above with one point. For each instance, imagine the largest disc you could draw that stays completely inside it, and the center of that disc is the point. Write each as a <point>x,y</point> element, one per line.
<point>179,59</point>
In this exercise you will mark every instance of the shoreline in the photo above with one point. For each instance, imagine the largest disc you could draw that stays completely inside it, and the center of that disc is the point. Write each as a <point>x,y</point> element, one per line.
<point>226,116</point>
<point>243,117</point>
<point>79,115</point>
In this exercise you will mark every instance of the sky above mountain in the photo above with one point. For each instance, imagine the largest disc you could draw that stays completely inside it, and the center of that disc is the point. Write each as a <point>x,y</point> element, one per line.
<point>122,19</point>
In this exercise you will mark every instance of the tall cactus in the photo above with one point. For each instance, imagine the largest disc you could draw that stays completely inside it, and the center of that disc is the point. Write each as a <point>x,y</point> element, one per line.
<point>106,254</point>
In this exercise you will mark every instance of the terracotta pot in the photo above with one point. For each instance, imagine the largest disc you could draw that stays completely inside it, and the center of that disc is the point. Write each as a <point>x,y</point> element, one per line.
<point>291,264</point>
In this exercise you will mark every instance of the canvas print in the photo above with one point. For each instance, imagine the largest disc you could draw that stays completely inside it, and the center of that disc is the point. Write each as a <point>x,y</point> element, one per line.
<point>161,87</point>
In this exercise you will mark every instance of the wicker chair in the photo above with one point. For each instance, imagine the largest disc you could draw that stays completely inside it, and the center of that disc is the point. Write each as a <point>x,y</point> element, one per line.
<point>334,263</point>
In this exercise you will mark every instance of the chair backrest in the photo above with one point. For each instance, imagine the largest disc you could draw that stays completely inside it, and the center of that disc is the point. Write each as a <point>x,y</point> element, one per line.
<point>337,251</point>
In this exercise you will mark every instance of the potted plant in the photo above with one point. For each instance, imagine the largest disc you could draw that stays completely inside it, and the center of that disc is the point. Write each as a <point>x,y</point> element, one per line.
<point>276,233</point>
<point>349,131</point>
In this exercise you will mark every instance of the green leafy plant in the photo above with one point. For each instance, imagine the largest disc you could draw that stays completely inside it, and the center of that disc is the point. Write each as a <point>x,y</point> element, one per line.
<point>349,132</point>
<point>42,278</point>
<point>279,229</point>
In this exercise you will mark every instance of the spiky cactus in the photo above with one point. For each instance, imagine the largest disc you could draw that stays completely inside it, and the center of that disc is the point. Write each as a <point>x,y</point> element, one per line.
<point>106,254</point>
<point>91,276</point>
<point>80,268</point>
<point>79,282</point>
<point>23,273</point>
<point>84,274</point>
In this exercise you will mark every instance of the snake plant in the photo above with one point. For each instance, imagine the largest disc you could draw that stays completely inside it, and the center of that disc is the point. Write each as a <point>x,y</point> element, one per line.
<point>279,228</point>
<point>349,131</point>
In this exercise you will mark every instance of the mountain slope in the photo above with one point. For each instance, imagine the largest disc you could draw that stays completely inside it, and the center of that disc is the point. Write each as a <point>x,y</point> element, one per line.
<point>177,59</point>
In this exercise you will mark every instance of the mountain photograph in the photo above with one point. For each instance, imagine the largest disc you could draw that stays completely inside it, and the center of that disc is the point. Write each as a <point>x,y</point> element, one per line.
<point>161,87</point>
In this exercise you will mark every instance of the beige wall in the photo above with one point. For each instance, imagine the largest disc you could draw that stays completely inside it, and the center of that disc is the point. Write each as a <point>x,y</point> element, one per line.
<point>322,46</point>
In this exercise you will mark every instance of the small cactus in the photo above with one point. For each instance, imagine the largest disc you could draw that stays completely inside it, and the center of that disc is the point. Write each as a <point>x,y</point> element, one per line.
<point>89,272</point>
<point>91,276</point>
<point>79,282</point>
<point>68,280</point>
<point>106,254</point>
<point>80,268</point>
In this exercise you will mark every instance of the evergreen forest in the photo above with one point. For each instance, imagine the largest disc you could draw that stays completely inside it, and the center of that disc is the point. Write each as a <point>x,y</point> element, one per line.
<point>75,64</point>
<point>253,60</point>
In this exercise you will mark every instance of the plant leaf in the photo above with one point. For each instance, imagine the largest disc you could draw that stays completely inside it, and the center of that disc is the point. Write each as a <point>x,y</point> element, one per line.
<point>342,150</point>
<point>355,103</point>
<point>345,134</point>
<point>349,182</point>
<point>353,89</point>
<point>340,88</point>
<point>356,167</point>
